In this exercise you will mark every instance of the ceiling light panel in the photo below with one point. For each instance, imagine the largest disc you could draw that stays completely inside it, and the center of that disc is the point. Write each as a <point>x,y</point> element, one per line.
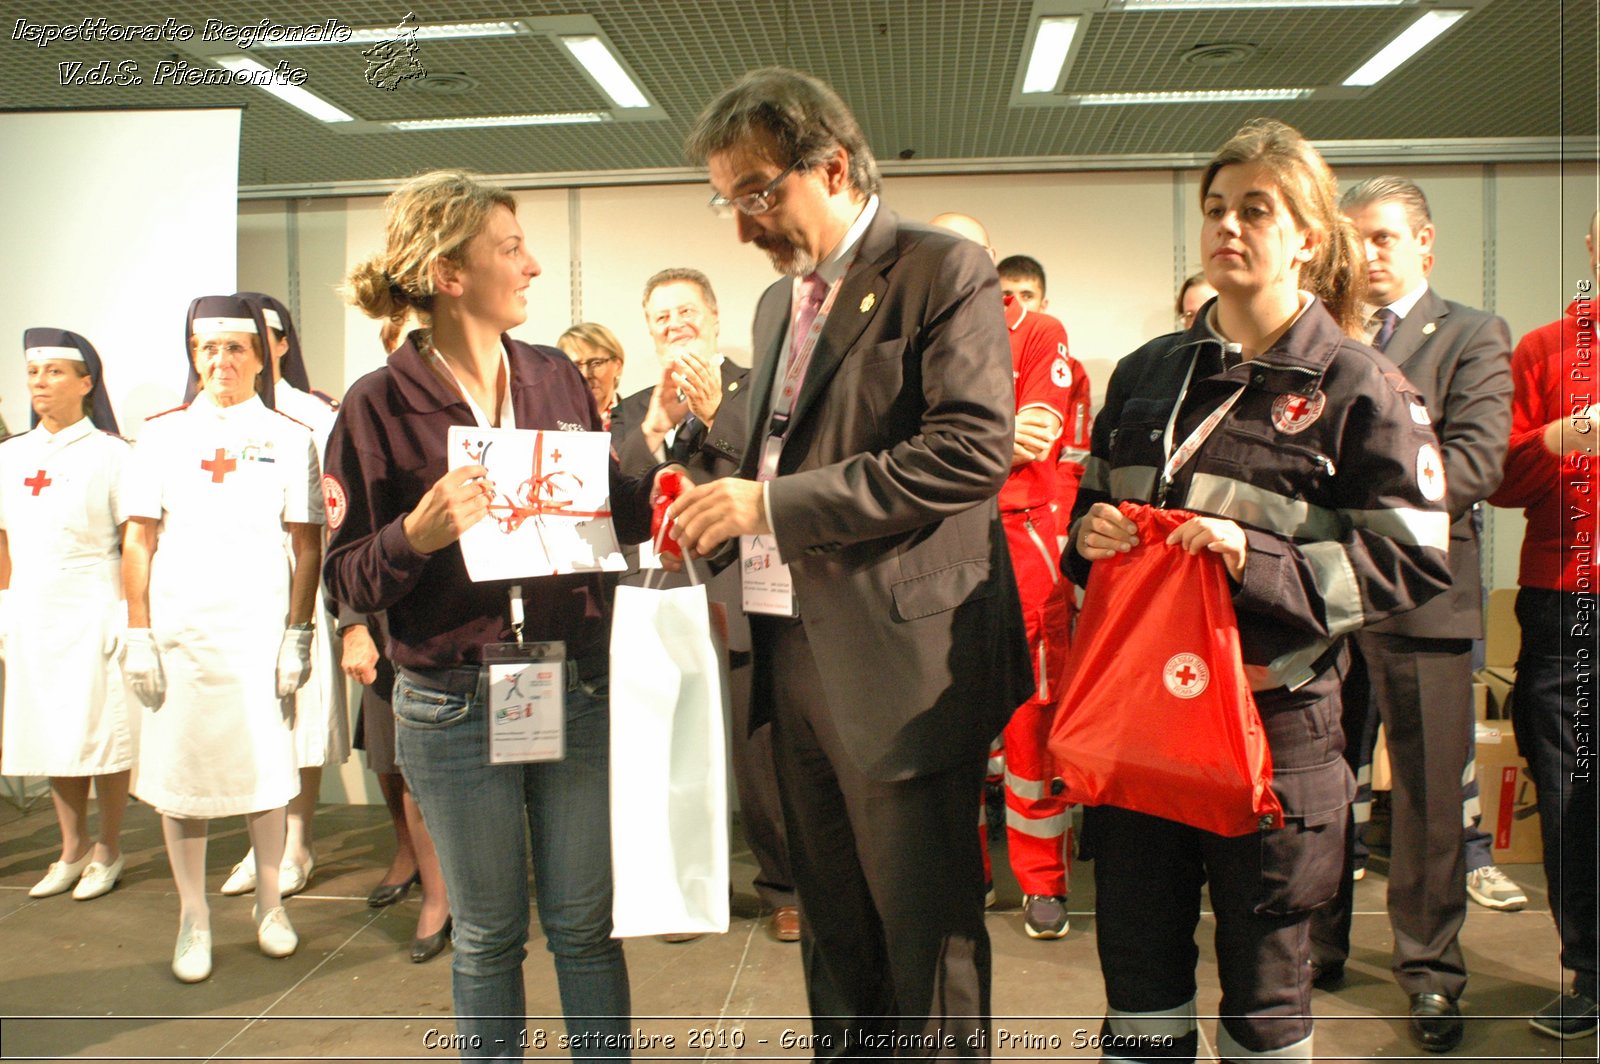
<point>1413,39</point>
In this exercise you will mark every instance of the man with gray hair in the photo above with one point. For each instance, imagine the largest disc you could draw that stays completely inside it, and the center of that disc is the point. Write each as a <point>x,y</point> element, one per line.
<point>1418,666</point>
<point>889,644</point>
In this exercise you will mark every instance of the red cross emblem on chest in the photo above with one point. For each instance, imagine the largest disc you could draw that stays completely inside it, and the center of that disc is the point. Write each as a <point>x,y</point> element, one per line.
<point>1293,413</point>
<point>1187,676</point>
<point>38,482</point>
<point>219,465</point>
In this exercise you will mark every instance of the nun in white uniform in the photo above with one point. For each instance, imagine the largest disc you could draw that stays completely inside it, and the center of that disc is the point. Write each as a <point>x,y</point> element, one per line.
<point>219,624</point>
<point>61,611</point>
<point>322,714</point>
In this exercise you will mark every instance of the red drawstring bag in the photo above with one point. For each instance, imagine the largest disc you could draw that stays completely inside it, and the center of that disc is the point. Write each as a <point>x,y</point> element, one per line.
<point>1157,716</point>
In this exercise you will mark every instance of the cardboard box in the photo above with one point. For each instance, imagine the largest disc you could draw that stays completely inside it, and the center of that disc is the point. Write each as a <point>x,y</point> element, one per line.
<point>1502,636</point>
<point>1506,794</point>
<point>1480,700</point>
<point>1500,683</point>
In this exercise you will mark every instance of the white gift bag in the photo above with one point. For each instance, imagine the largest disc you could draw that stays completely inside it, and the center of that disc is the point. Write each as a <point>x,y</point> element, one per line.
<point>669,786</point>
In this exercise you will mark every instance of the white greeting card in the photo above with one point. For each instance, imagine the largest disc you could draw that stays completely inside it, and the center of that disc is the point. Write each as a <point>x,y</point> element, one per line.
<point>551,511</point>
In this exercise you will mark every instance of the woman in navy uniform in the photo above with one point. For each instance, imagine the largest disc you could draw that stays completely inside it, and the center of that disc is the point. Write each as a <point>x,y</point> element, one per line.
<point>455,257</point>
<point>61,614</point>
<point>1321,489</point>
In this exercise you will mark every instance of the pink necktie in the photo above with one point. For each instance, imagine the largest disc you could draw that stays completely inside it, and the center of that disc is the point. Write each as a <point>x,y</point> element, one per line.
<point>813,290</point>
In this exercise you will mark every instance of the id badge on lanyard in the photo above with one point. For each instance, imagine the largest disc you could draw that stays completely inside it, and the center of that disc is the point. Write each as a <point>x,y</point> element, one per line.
<point>766,585</point>
<point>523,688</point>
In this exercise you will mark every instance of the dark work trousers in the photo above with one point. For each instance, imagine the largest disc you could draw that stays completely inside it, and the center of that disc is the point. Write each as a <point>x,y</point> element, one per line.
<point>1423,691</point>
<point>760,813</point>
<point>889,876</point>
<point>1553,712</point>
<point>1263,886</point>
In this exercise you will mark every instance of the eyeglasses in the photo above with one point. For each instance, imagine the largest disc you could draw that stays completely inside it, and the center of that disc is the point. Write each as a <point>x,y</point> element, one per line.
<point>590,366</point>
<point>232,349</point>
<point>752,202</point>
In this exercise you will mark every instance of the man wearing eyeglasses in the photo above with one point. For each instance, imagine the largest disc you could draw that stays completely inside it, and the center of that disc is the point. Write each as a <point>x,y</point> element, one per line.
<point>697,415</point>
<point>889,643</point>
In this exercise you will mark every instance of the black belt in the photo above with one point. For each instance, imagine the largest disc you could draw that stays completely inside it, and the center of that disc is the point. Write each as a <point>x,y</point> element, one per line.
<point>463,679</point>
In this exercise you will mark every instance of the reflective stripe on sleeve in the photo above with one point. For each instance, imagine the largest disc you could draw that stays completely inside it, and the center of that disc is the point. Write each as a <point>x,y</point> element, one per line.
<point>1414,528</point>
<point>1336,583</point>
<point>1032,790</point>
<point>1131,482</point>
<point>1238,501</point>
<point>1074,454</point>
<point>1050,827</point>
<point>1096,475</point>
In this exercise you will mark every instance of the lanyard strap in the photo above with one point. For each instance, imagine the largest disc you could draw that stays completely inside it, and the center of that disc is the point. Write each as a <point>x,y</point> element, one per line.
<point>1177,459</point>
<point>794,374</point>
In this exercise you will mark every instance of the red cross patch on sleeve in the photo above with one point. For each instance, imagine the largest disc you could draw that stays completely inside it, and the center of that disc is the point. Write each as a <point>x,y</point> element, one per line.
<point>1430,473</point>
<point>334,502</point>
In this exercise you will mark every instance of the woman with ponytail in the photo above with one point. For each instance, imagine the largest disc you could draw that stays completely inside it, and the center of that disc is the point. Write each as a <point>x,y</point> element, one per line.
<point>455,259</point>
<point>1311,471</point>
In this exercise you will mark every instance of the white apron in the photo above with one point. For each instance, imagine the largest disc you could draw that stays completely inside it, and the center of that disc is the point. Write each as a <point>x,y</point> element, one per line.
<point>223,481</point>
<point>65,714</point>
<point>322,710</point>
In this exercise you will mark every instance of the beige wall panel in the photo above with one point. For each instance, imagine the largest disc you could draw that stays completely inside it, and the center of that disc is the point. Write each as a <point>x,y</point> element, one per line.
<point>627,234</point>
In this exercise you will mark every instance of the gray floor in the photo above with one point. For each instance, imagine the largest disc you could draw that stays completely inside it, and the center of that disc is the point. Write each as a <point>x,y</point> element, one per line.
<point>91,980</point>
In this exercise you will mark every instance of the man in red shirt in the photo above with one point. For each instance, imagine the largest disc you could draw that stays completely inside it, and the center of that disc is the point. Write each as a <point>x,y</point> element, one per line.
<point>1037,819</point>
<point>1551,474</point>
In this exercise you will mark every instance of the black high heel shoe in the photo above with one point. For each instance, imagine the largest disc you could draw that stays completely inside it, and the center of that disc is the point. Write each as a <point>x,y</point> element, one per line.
<point>425,949</point>
<point>386,894</point>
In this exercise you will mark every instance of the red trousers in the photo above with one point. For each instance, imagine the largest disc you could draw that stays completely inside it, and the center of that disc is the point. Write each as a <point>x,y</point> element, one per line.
<point>1036,820</point>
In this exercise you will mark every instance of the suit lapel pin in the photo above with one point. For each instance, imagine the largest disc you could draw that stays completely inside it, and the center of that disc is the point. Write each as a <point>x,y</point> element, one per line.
<point>733,386</point>
<point>1428,329</point>
<point>867,301</point>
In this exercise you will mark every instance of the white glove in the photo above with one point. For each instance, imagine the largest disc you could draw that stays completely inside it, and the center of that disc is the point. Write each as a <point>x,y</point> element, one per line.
<point>294,660</point>
<point>141,667</point>
<point>116,624</point>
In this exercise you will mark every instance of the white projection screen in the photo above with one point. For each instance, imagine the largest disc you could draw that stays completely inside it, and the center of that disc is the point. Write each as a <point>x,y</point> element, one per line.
<point>114,221</point>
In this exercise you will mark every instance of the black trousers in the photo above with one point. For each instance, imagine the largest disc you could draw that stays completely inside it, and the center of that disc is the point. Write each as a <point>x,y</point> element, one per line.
<point>1553,712</point>
<point>1263,887</point>
<point>1423,694</point>
<point>889,876</point>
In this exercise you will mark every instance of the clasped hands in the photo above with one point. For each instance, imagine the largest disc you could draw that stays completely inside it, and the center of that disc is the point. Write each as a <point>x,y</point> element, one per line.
<point>1106,532</point>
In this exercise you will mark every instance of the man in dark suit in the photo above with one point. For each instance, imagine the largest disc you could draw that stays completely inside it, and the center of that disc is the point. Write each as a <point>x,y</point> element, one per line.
<point>703,427</point>
<point>891,648</point>
<point>1418,666</point>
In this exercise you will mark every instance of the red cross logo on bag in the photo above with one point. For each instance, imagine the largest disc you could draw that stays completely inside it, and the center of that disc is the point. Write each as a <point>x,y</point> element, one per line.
<point>1185,675</point>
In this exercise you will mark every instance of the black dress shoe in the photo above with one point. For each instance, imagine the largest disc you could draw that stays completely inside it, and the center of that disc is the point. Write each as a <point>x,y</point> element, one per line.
<point>385,894</point>
<point>1436,1023</point>
<point>425,949</point>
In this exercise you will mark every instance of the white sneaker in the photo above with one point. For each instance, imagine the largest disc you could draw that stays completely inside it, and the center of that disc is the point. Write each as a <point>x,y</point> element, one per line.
<point>292,878</point>
<point>98,879</point>
<point>242,880</point>
<point>191,959</point>
<point>1493,889</point>
<point>275,934</point>
<point>59,877</point>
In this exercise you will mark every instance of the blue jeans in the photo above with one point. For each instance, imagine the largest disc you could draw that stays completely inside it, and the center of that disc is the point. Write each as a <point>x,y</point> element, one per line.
<point>482,818</point>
